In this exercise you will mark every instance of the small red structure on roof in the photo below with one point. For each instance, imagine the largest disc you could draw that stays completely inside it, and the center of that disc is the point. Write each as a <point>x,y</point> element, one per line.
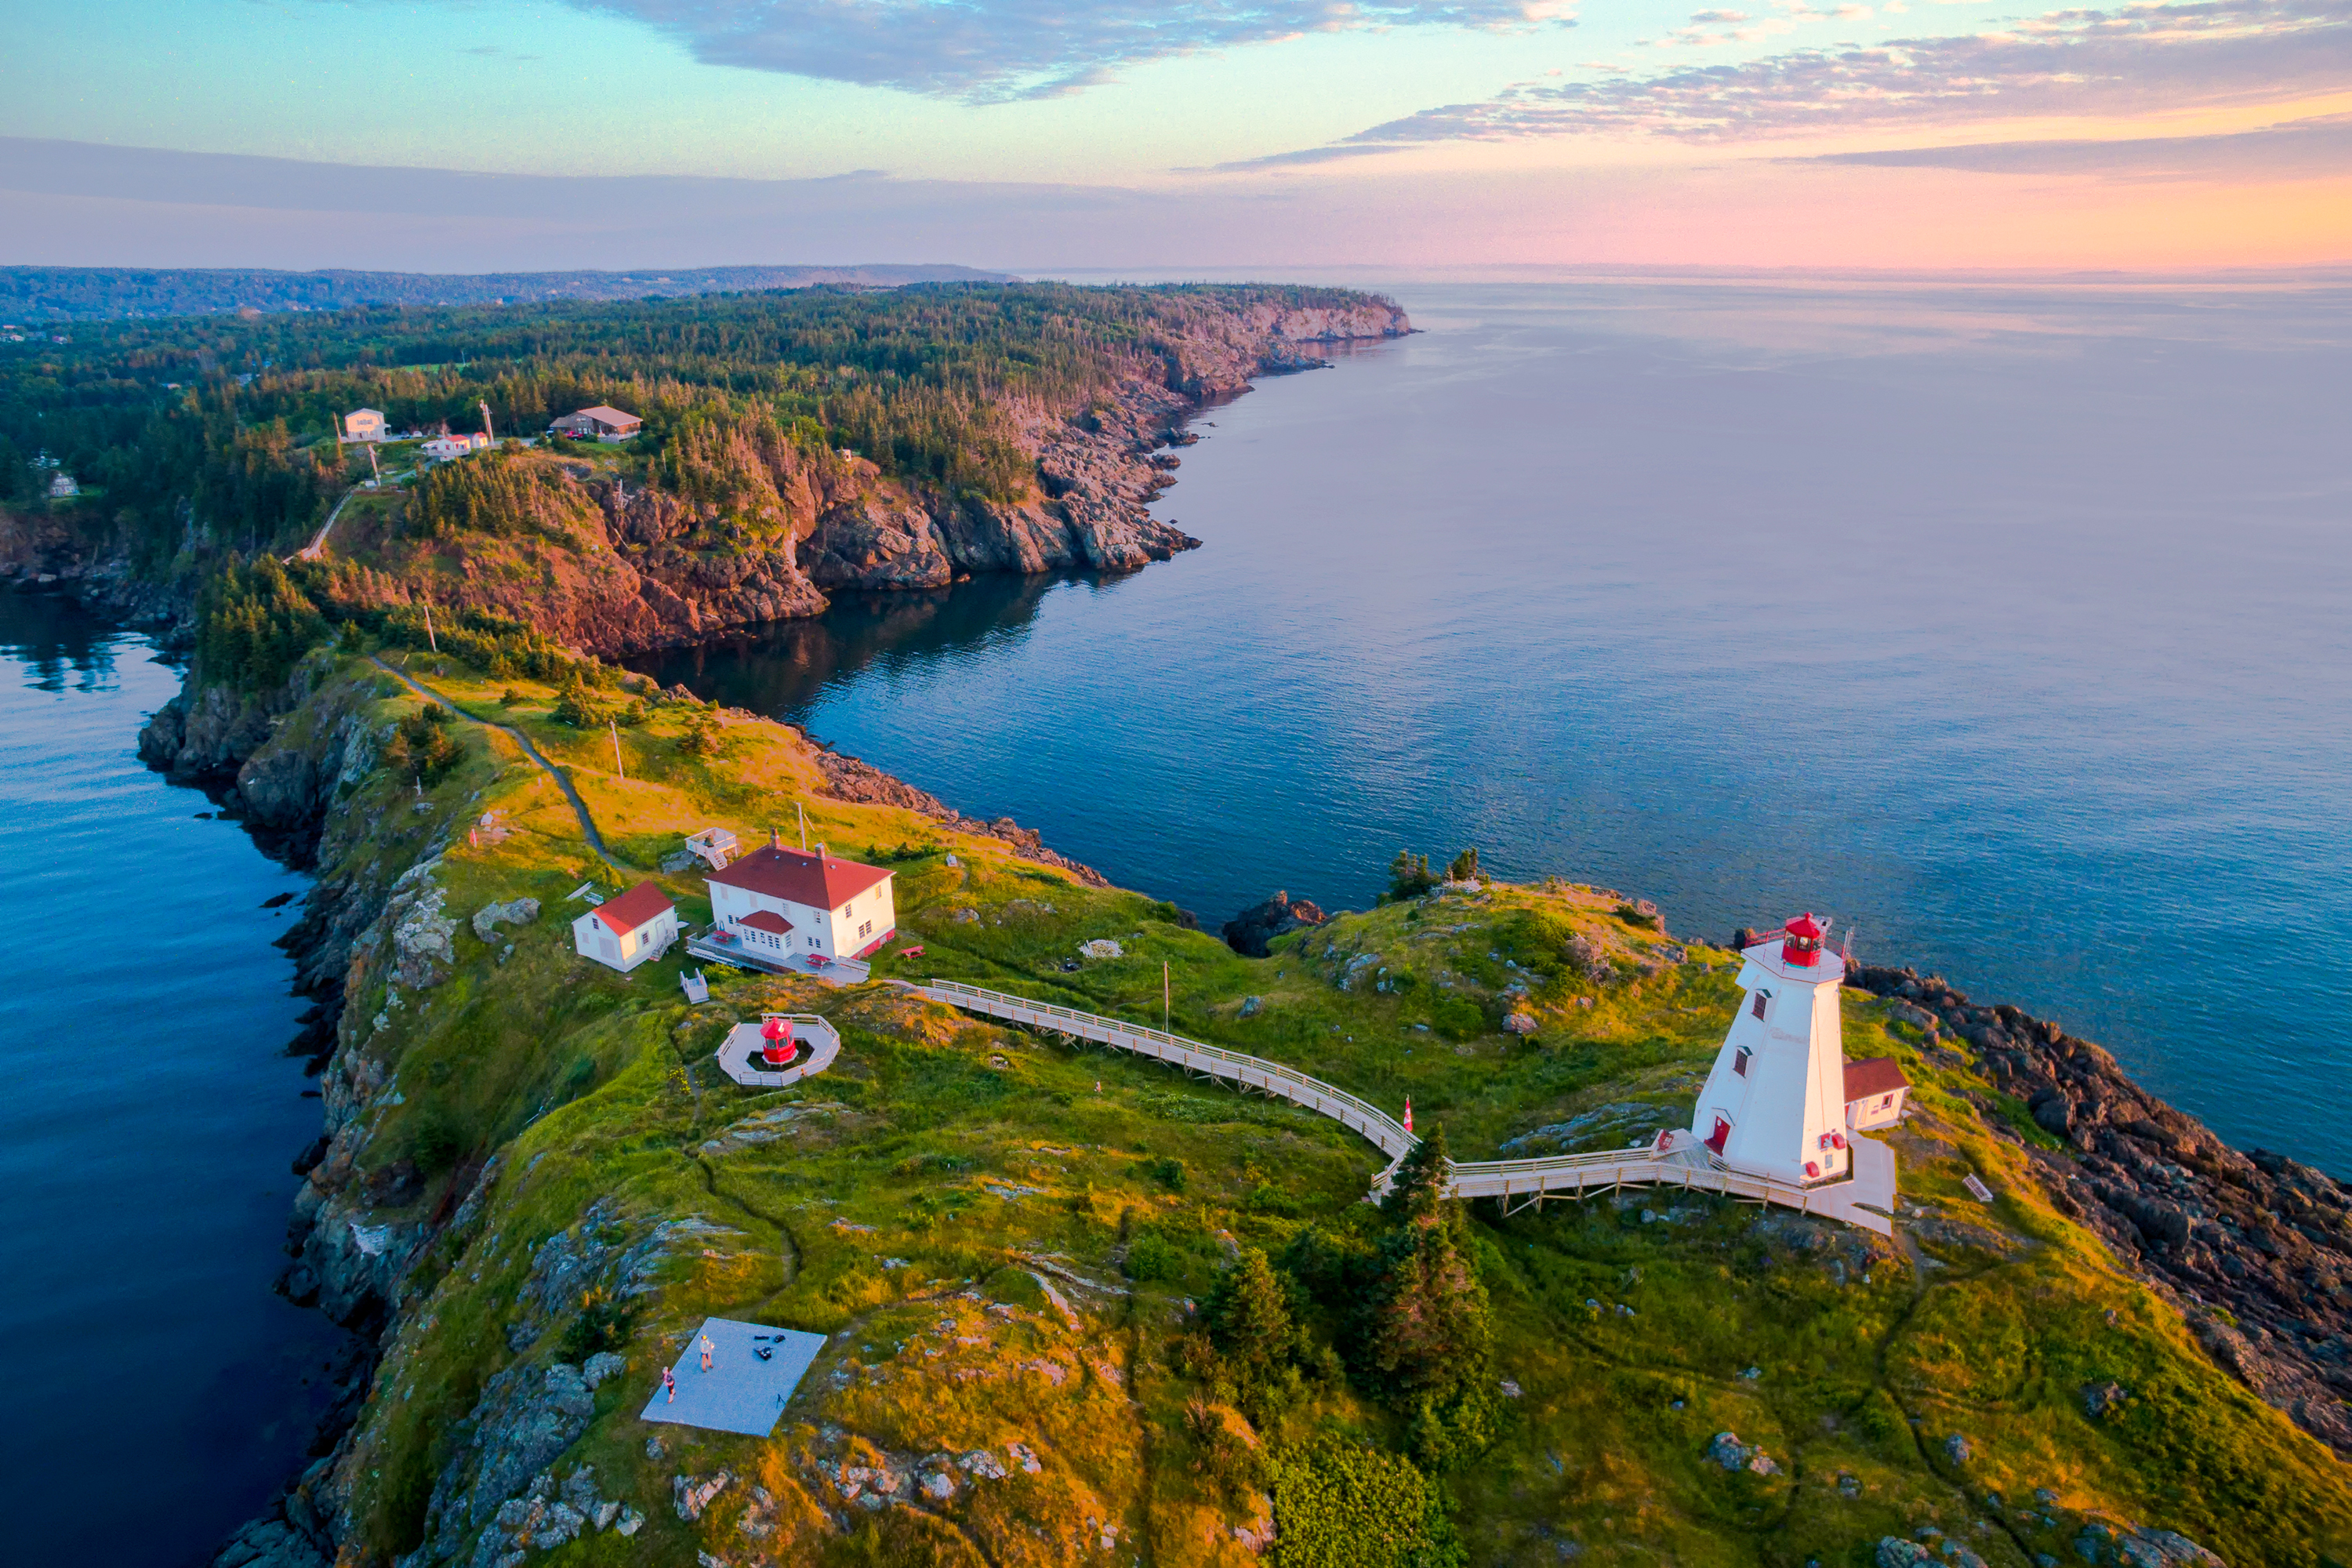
<point>1802,943</point>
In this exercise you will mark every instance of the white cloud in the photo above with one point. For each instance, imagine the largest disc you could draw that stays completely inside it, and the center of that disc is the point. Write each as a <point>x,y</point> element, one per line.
<point>2134,58</point>
<point>998,50</point>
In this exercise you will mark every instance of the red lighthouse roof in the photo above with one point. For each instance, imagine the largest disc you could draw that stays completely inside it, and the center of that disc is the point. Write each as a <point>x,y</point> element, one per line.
<point>1801,941</point>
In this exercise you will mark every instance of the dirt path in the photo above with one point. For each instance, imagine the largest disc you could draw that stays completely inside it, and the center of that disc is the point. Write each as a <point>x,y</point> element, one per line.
<point>579,806</point>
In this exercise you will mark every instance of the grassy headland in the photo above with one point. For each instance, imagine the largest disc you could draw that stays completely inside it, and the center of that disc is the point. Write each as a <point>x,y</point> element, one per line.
<point>1013,1246</point>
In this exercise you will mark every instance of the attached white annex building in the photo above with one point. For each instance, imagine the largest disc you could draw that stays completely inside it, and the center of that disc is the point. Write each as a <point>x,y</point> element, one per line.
<point>1775,1105</point>
<point>624,932</point>
<point>787,903</point>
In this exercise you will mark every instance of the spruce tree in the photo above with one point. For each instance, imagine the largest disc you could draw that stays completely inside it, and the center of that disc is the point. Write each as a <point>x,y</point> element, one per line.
<point>1249,1322</point>
<point>1430,1336</point>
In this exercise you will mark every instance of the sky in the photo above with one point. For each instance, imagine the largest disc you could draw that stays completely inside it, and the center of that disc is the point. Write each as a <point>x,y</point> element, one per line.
<point>1047,135</point>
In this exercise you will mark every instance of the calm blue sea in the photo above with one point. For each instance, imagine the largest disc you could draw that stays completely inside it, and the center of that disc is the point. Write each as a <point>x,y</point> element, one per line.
<point>160,1392</point>
<point>2011,626</point>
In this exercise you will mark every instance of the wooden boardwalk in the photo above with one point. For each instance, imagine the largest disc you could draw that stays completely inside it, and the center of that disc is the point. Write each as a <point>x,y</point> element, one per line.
<point>1676,1160</point>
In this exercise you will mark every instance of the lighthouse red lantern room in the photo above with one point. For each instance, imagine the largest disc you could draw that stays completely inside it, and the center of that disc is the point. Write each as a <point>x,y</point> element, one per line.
<point>776,1030</point>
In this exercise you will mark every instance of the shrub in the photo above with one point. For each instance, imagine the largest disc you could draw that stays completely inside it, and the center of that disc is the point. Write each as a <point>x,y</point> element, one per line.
<point>422,748</point>
<point>1456,1017</point>
<point>1152,1256</point>
<point>1341,1505</point>
<point>577,706</point>
<point>603,1324</point>
<point>437,1142</point>
<point>1463,867</point>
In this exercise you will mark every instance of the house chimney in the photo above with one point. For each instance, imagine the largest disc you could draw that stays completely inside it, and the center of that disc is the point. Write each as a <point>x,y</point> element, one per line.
<point>775,840</point>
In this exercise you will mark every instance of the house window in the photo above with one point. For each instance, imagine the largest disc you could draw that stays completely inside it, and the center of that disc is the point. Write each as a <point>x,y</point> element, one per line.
<point>1740,1063</point>
<point>865,930</point>
<point>1884,1101</point>
<point>1758,1008</point>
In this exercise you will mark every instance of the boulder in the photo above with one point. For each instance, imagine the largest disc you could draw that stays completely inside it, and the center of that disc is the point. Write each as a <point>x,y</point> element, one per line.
<point>514,911</point>
<point>691,1497</point>
<point>1520,1023</point>
<point>1893,1552</point>
<point>1249,932</point>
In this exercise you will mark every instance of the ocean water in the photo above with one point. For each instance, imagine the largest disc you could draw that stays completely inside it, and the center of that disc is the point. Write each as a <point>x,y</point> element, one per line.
<point>2011,626</point>
<point>160,1393</point>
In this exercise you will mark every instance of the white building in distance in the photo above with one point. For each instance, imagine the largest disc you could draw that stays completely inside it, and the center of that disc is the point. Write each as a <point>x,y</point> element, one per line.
<point>444,447</point>
<point>1775,1104</point>
<point>364,425</point>
<point>784,903</point>
<point>624,932</point>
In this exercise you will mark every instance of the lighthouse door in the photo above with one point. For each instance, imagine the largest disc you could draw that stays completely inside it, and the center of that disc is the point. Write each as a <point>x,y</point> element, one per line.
<point>1715,1139</point>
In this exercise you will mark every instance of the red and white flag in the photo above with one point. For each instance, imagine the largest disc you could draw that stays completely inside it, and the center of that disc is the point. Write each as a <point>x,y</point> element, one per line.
<point>1408,1113</point>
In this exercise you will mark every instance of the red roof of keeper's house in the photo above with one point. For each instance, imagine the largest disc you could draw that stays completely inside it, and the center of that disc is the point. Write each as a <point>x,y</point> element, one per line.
<point>767,921</point>
<point>635,908</point>
<point>819,881</point>
<point>1878,1074</point>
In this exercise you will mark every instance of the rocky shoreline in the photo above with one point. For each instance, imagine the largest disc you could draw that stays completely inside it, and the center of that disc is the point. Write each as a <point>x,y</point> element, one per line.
<point>2253,1247</point>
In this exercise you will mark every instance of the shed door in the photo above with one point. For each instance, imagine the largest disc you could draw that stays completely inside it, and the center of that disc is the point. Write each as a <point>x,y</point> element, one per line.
<point>1715,1139</point>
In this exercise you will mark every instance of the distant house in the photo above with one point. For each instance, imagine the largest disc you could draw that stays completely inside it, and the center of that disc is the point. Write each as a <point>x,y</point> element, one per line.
<point>603,423</point>
<point>444,447</point>
<point>623,933</point>
<point>786,904</point>
<point>1874,1091</point>
<point>364,425</point>
<point>63,487</point>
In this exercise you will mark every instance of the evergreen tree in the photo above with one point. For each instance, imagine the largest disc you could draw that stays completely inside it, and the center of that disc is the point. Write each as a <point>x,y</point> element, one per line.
<point>1465,868</point>
<point>1249,1322</point>
<point>1430,1336</point>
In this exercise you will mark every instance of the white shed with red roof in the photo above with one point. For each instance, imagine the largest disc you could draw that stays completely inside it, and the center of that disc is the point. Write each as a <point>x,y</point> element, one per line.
<point>1874,1091</point>
<point>786,904</point>
<point>622,933</point>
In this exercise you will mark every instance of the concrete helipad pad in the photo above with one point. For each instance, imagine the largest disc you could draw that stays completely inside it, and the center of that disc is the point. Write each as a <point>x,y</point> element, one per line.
<point>740,1393</point>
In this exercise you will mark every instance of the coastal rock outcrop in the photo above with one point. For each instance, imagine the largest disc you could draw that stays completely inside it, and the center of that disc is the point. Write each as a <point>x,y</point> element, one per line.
<point>1250,931</point>
<point>2255,1248</point>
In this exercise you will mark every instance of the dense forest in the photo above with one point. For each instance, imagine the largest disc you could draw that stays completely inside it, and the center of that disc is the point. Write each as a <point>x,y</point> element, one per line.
<point>216,435</point>
<point>43,294</point>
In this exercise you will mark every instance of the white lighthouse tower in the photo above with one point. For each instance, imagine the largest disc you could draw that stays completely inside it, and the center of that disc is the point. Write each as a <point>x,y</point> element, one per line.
<point>1775,1104</point>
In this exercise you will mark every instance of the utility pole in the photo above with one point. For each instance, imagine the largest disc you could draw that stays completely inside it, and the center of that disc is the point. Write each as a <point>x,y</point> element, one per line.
<point>1167,1001</point>
<point>428,628</point>
<point>374,467</point>
<point>617,768</point>
<point>488,434</point>
<point>803,816</point>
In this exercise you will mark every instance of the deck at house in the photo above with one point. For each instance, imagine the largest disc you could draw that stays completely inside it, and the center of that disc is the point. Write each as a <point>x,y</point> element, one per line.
<point>721,946</point>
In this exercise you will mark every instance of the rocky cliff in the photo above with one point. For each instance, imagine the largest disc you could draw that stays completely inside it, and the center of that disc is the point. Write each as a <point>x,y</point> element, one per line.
<point>633,567</point>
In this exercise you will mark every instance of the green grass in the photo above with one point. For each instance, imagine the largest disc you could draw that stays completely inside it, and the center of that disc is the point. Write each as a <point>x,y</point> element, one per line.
<point>919,1185</point>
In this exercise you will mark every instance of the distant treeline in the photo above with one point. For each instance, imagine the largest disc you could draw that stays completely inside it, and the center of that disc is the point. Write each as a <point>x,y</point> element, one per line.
<point>46,294</point>
<point>219,433</point>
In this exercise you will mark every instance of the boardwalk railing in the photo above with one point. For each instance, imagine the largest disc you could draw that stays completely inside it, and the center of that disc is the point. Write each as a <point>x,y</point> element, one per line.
<point>1528,1181</point>
<point>1251,1072</point>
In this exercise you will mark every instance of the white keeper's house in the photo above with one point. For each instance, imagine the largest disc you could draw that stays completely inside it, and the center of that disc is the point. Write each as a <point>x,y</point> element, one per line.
<point>791,903</point>
<point>624,932</point>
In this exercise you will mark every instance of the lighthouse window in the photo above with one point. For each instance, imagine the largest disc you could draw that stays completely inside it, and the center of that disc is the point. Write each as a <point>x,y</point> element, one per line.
<point>1758,1008</point>
<point>1740,1063</point>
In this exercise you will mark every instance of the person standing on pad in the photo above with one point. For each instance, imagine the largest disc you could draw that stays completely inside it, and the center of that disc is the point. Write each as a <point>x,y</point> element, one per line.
<point>669,1385</point>
<point>707,1348</point>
